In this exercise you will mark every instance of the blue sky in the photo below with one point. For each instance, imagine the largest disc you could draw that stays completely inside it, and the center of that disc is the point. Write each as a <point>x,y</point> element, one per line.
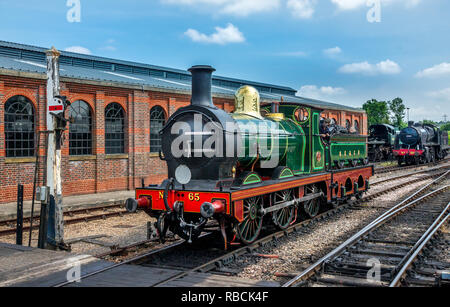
<point>326,49</point>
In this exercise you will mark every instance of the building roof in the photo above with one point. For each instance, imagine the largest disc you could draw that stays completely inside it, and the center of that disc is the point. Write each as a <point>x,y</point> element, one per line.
<point>31,59</point>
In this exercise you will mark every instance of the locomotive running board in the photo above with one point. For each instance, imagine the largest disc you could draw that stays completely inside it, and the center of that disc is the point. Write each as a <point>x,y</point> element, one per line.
<point>291,203</point>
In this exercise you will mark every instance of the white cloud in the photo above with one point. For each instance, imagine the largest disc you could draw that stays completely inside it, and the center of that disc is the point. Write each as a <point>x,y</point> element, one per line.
<point>345,5</point>
<point>348,4</point>
<point>303,9</point>
<point>247,7</point>
<point>231,7</point>
<point>387,67</point>
<point>323,92</point>
<point>437,70</point>
<point>78,49</point>
<point>441,95</point>
<point>332,51</point>
<point>421,113</point>
<point>222,36</point>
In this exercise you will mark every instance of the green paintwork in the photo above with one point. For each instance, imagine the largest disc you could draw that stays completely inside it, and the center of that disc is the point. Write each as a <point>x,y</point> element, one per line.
<point>286,173</point>
<point>348,147</point>
<point>307,153</point>
<point>283,138</point>
<point>317,148</point>
<point>252,178</point>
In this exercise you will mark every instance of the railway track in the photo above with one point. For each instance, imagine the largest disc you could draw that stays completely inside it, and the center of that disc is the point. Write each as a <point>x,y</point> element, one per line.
<point>381,253</point>
<point>121,251</point>
<point>84,215</point>
<point>429,265</point>
<point>432,169</point>
<point>7,227</point>
<point>180,255</point>
<point>388,169</point>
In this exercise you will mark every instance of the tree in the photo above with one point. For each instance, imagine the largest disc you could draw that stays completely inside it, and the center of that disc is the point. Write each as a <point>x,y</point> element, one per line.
<point>445,127</point>
<point>397,109</point>
<point>428,122</point>
<point>377,112</point>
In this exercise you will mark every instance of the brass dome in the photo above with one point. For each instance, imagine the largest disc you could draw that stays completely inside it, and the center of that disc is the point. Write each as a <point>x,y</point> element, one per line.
<point>247,101</point>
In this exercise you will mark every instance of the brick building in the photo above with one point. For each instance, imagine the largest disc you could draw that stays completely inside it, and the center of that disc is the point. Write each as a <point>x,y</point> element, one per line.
<point>118,107</point>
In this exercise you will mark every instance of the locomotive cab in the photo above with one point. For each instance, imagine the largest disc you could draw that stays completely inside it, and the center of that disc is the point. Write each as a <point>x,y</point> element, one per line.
<point>381,142</point>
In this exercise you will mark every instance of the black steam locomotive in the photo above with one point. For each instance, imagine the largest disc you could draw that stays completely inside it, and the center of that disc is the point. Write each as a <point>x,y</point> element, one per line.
<point>241,171</point>
<point>420,143</point>
<point>381,142</point>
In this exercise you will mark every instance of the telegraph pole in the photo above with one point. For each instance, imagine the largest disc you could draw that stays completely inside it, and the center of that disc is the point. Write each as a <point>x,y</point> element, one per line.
<point>445,118</point>
<point>55,236</point>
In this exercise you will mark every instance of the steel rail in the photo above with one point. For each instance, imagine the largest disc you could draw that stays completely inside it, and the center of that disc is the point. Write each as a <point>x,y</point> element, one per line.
<point>115,206</point>
<point>128,261</point>
<point>212,264</point>
<point>372,225</point>
<point>76,220</point>
<point>383,170</point>
<point>419,246</point>
<point>408,174</point>
<point>258,242</point>
<point>71,213</point>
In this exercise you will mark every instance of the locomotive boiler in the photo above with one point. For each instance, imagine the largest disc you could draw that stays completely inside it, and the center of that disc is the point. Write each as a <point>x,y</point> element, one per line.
<point>201,137</point>
<point>246,170</point>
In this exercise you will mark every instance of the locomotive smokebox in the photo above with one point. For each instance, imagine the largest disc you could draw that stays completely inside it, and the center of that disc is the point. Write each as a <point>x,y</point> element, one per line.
<point>192,149</point>
<point>201,85</point>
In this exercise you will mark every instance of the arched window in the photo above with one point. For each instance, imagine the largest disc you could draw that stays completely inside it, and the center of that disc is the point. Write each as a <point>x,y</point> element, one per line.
<point>356,126</point>
<point>347,124</point>
<point>157,120</point>
<point>114,129</point>
<point>80,131</point>
<point>19,127</point>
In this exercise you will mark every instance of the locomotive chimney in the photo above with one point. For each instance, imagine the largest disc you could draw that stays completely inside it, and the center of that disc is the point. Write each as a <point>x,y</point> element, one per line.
<point>201,85</point>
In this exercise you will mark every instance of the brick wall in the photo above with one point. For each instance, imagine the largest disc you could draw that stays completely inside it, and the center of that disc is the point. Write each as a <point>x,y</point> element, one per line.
<point>98,172</point>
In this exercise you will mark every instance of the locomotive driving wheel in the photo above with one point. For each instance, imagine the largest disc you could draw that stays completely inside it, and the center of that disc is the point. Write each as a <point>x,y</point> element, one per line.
<point>251,226</point>
<point>311,207</point>
<point>283,217</point>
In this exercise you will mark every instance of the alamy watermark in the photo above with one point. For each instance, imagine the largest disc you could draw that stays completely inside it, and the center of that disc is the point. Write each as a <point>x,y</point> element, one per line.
<point>374,273</point>
<point>374,14</point>
<point>74,12</point>
<point>74,273</point>
<point>208,139</point>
